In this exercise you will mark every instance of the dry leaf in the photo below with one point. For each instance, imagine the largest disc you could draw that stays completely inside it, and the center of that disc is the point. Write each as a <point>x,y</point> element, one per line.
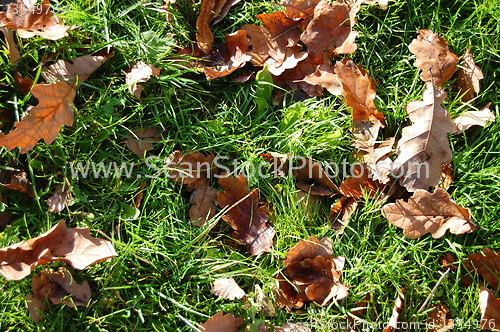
<point>60,199</point>
<point>330,30</point>
<point>142,140</point>
<point>433,57</point>
<point>141,72</point>
<point>293,79</point>
<point>300,9</point>
<point>227,288</point>
<point>203,209</point>
<point>311,273</point>
<point>33,21</point>
<point>74,246</point>
<point>446,176</point>
<point>192,169</point>
<point>360,182</point>
<point>292,327</point>
<point>341,212</point>
<point>11,45</point>
<point>23,84</point>
<point>393,321</point>
<point>250,222</point>
<point>473,118</point>
<point>486,264</point>
<point>424,146</point>
<point>490,310</point>
<point>438,322</point>
<point>81,68</point>
<point>468,77</point>
<point>224,11</point>
<point>312,178</point>
<point>16,180</point>
<point>221,323</point>
<point>429,213</point>
<point>54,110</point>
<point>266,307</point>
<point>209,10</point>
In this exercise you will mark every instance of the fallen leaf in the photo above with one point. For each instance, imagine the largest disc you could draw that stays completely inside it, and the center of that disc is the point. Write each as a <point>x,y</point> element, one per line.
<point>192,169</point>
<point>359,182</point>
<point>221,323</point>
<point>433,57</point>
<point>139,195</point>
<point>341,212</point>
<point>79,68</point>
<point>60,199</point>
<point>23,84</point>
<point>486,264</point>
<point>383,4</point>
<point>203,209</point>
<point>54,110</point>
<point>446,176</point>
<point>227,288</point>
<point>393,321</point>
<point>292,327</point>
<point>490,310</point>
<point>16,179</point>
<point>293,79</point>
<point>224,11</point>
<point>300,9</point>
<point>250,222</point>
<point>142,140</point>
<point>208,11</point>
<point>12,48</point>
<point>424,146</point>
<point>473,118</point>
<point>266,306</point>
<point>469,75</point>
<point>330,30</point>
<point>141,72</point>
<point>429,213</point>
<point>74,246</point>
<point>33,21</point>
<point>312,178</point>
<point>438,321</point>
<point>311,273</point>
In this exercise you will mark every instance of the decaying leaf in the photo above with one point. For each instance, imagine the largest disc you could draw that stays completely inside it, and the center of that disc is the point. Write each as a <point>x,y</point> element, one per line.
<point>221,323</point>
<point>424,146</point>
<point>141,72</point>
<point>438,321</point>
<point>359,182</point>
<point>446,176</point>
<point>16,179</point>
<point>292,327</point>
<point>57,287</point>
<point>142,140</point>
<point>312,178</point>
<point>60,199</point>
<point>33,21</point>
<point>429,213</point>
<point>486,264</point>
<point>192,169</point>
<point>24,84</point>
<point>311,273</point>
<point>74,246</point>
<point>250,222</point>
<point>293,79</point>
<point>490,310</point>
<point>300,9</point>
<point>468,77</point>
<point>72,70</point>
<point>473,118</point>
<point>203,209</point>
<point>227,288</point>
<point>54,110</point>
<point>266,306</point>
<point>434,58</point>
<point>341,212</point>
<point>330,30</point>
<point>10,41</point>
<point>393,321</point>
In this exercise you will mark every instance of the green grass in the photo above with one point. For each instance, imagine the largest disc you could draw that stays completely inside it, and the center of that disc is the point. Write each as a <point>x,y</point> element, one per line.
<point>162,277</point>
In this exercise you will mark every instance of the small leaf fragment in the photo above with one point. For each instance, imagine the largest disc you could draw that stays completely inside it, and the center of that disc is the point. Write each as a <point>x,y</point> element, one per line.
<point>221,323</point>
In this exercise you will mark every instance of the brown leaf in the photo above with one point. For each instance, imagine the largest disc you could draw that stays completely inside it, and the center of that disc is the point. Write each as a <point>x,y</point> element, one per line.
<point>12,48</point>
<point>54,110</point>
<point>60,199</point>
<point>446,176</point>
<point>224,11</point>
<point>192,169</point>
<point>341,212</point>
<point>81,68</point>
<point>469,75</point>
<point>74,246</point>
<point>203,209</point>
<point>360,182</point>
<point>266,306</point>
<point>16,180</point>
<point>227,288</point>
<point>250,222</point>
<point>312,178</point>
<point>433,57</point>
<point>424,146</point>
<point>23,84</point>
<point>142,140</point>
<point>473,118</point>
<point>393,321</point>
<point>209,10</point>
<point>293,79</point>
<point>221,323</point>
<point>311,273</point>
<point>490,310</point>
<point>330,30</point>
<point>141,72</point>
<point>292,327</point>
<point>300,9</point>
<point>37,20</point>
<point>429,213</point>
<point>438,321</point>
<point>486,264</point>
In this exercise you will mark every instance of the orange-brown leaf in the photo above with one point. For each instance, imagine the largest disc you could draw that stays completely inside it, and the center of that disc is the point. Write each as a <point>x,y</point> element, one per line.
<point>312,178</point>
<point>429,213</point>
<point>203,209</point>
<point>341,212</point>
<point>16,180</point>
<point>54,110</point>
<point>221,323</point>
<point>490,310</point>
<point>142,140</point>
<point>192,169</point>
<point>24,84</point>
<point>486,264</point>
<point>209,10</point>
<point>74,246</point>
<point>438,321</point>
<point>360,182</point>
<point>433,57</point>
<point>468,77</point>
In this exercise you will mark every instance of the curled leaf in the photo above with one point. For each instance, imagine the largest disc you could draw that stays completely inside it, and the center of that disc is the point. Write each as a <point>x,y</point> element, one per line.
<point>486,264</point>
<point>468,78</point>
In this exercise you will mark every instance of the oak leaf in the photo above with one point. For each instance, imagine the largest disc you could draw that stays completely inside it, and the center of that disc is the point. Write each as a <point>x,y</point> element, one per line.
<point>33,21</point>
<point>341,212</point>
<point>424,146</point>
<point>473,118</point>
<point>486,264</point>
<point>446,176</point>
<point>429,213</point>
<point>359,182</point>
<point>469,75</point>
<point>250,222</point>
<point>227,288</point>
<point>54,110</point>
<point>490,310</point>
<point>221,323</point>
<point>311,273</point>
<point>438,321</point>
<point>74,246</point>
<point>141,141</point>
<point>16,179</point>
<point>192,169</point>
<point>223,11</point>
<point>300,9</point>
<point>293,79</point>
<point>23,84</point>
<point>312,178</point>
<point>141,72</point>
<point>433,57</point>
<point>203,209</point>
